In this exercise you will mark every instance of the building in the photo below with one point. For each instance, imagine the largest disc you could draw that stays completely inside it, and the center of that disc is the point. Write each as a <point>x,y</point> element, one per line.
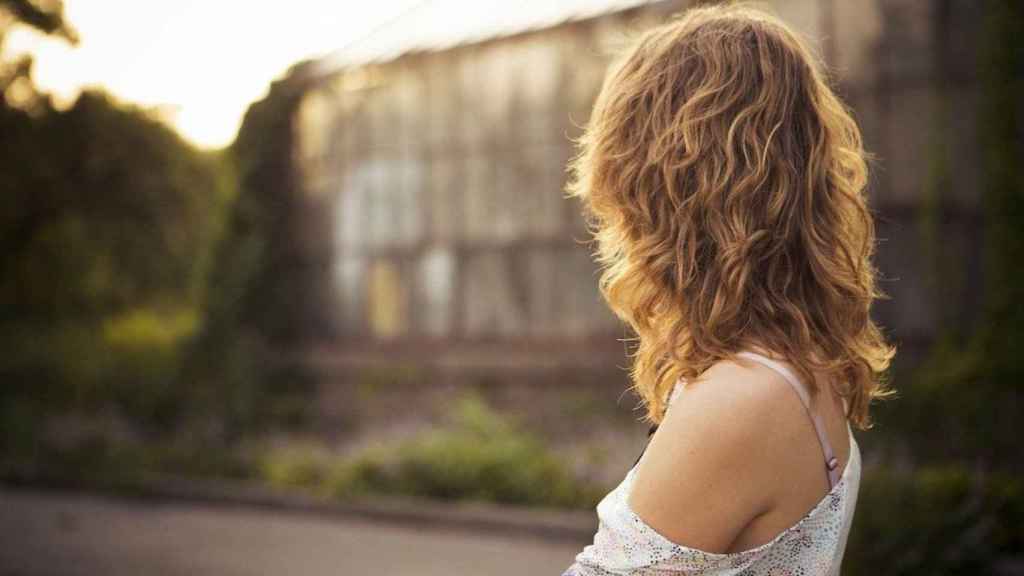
<point>438,147</point>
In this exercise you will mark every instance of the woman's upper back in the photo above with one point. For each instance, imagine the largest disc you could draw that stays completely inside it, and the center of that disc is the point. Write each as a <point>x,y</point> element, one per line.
<point>626,544</point>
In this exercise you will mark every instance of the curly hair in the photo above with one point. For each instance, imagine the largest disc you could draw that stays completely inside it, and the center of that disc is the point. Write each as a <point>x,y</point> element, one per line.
<point>724,184</point>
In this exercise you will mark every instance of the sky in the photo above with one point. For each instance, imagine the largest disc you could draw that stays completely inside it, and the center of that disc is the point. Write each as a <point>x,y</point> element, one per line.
<point>201,62</point>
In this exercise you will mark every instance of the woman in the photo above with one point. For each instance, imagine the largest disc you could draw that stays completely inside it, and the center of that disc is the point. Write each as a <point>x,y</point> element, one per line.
<point>724,183</point>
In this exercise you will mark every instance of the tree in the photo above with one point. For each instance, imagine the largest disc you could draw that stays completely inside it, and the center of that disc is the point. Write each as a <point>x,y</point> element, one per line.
<point>16,76</point>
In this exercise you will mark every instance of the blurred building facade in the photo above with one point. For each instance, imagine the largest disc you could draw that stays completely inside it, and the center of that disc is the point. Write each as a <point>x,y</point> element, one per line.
<point>435,152</point>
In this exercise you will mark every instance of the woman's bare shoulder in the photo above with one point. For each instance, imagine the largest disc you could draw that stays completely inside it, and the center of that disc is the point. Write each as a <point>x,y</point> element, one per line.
<point>713,464</point>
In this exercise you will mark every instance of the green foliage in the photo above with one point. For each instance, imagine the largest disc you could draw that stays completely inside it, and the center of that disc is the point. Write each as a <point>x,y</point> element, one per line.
<point>485,457</point>
<point>48,19</point>
<point>257,303</point>
<point>1002,69</point>
<point>96,459</point>
<point>959,509</point>
<point>16,87</point>
<point>106,221</point>
<point>72,389</point>
<point>104,207</point>
<point>478,454</point>
<point>974,382</point>
<point>107,216</point>
<point>296,466</point>
<point>258,283</point>
<point>936,520</point>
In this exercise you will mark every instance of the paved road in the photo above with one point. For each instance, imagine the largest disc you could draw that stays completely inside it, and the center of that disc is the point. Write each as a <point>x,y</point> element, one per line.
<point>55,534</point>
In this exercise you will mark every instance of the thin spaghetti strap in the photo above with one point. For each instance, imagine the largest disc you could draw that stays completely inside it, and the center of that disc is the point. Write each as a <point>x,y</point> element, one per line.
<point>831,462</point>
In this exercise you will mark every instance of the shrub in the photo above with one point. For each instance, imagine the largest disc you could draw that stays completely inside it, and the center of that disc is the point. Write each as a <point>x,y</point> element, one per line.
<point>303,466</point>
<point>478,455</point>
<point>938,520</point>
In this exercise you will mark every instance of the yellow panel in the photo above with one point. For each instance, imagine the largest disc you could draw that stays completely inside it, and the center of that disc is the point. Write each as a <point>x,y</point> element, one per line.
<point>386,299</point>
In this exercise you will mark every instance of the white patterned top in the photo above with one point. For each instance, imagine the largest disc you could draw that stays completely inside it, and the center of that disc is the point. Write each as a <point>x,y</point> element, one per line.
<point>625,545</point>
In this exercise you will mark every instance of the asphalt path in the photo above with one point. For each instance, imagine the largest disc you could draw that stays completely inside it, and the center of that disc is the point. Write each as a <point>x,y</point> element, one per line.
<point>66,534</point>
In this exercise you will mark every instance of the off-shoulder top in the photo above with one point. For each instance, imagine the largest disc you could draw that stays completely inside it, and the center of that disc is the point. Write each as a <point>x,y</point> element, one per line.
<point>625,545</point>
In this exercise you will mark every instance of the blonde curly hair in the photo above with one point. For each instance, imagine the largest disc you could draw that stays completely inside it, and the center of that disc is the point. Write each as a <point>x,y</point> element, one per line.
<point>724,183</point>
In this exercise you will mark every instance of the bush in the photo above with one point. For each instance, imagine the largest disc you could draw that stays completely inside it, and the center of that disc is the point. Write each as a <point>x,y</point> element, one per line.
<point>477,455</point>
<point>480,456</point>
<point>938,520</point>
<point>144,349</point>
<point>296,466</point>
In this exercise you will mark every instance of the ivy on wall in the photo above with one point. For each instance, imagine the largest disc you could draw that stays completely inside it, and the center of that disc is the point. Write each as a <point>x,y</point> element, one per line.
<point>973,381</point>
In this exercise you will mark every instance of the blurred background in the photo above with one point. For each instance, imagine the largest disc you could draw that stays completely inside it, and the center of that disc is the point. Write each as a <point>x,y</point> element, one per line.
<point>296,288</point>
